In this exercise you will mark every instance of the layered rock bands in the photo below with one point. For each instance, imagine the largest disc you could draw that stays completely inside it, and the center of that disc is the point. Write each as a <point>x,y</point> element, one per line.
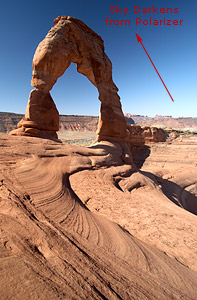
<point>70,40</point>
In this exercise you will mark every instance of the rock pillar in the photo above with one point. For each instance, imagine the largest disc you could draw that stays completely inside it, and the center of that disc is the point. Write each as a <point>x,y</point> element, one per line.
<point>70,40</point>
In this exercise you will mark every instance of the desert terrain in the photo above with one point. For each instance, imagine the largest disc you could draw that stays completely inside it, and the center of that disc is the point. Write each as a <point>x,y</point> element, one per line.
<point>78,223</point>
<point>8,122</point>
<point>109,214</point>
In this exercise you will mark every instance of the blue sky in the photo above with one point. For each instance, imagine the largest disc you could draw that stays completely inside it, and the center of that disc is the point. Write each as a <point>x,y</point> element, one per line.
<point>173,50</point>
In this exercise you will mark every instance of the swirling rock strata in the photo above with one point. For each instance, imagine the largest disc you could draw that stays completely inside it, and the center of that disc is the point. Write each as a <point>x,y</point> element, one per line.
<point>53,247</point>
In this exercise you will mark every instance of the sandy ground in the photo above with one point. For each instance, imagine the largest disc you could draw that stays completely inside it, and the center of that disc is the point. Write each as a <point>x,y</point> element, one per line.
<point>76,137</point>
<point>77,223</point>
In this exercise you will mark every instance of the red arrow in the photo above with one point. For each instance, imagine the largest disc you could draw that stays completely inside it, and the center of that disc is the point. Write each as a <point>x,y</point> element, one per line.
<point>140,41</point>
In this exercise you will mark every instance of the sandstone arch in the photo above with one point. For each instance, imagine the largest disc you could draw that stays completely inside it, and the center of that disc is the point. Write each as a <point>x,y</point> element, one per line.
<point>70,40</point>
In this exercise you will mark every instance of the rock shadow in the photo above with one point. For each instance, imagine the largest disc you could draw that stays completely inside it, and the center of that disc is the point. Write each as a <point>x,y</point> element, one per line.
<point>174,192</point>
<point>140,154</point>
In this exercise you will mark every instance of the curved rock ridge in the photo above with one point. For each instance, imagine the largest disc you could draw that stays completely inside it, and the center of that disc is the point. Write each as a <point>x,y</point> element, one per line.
<point>70,40</point>
<point>58,248</point>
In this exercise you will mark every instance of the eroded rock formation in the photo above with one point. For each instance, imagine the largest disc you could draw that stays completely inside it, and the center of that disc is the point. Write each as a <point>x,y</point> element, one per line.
<point>145,134</point>
<point>41,116</point>
<point>70,40</point>
<point>57,238</point>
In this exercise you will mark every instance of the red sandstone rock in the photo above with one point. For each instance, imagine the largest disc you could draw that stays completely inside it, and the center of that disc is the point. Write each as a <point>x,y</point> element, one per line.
<point>144,135</point>
<point>56,237</point>
<point>41,116</point>
<point>70,40</point>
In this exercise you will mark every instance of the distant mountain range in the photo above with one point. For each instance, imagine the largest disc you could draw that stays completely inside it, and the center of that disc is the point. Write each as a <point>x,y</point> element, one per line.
<point>165,121</point>
<point>8,122</point>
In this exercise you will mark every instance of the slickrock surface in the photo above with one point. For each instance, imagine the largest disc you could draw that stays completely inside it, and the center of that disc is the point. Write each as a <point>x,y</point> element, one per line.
<point>158,203</point>
<point>53,247</point>
<point>70,40</point>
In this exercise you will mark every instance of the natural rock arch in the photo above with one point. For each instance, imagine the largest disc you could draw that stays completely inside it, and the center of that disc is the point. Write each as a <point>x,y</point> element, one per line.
<point>70,40</point>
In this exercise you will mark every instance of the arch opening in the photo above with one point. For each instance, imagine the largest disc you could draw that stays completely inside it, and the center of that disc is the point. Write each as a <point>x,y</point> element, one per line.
<point>74,94</point>
<point>71,41</point>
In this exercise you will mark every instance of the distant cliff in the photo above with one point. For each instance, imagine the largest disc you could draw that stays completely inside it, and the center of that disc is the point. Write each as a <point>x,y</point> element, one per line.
<point>8,122</point>
<point>165,121</point>
<point>78,123</point>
